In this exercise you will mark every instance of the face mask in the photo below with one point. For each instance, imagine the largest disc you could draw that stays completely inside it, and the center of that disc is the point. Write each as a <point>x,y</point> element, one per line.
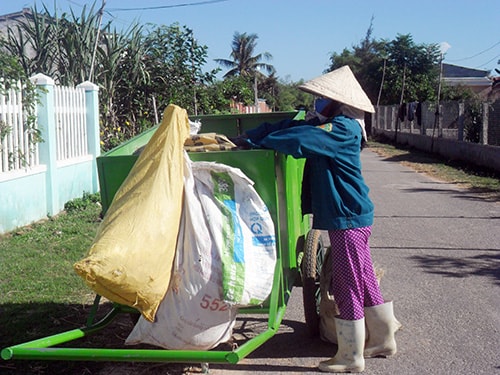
<point>321,104</point>
<point>313,114</point>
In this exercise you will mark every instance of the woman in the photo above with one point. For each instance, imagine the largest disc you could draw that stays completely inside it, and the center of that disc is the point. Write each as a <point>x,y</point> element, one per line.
<point>334,191</point>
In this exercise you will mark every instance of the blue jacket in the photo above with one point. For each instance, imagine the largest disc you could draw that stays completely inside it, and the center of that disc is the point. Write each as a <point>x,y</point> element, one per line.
<point>333,189</point>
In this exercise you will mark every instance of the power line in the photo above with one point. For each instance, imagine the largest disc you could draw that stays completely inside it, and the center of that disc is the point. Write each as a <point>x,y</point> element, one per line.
<point>477,54</point>
<point>487,62</point>
<point>166,6</point>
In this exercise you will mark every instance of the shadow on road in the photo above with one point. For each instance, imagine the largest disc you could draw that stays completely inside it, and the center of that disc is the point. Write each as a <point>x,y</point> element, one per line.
<point>280,353</point>
<point>487,265</point>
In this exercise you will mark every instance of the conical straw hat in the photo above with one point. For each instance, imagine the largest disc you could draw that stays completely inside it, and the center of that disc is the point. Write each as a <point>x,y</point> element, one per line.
<point>342,86</point>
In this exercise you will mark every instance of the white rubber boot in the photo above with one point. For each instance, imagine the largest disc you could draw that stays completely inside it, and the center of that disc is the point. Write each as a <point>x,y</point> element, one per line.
<point>351,340</point>
<point>381,325</point>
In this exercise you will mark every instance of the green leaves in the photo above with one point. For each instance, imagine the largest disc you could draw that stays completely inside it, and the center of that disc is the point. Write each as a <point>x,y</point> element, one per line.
<point>137,70</point>
<point>244,62</point>
<point>380,66</point>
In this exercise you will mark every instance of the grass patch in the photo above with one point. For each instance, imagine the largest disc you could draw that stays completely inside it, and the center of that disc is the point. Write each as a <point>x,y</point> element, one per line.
<point>36,271</point>
<point>37,260</point>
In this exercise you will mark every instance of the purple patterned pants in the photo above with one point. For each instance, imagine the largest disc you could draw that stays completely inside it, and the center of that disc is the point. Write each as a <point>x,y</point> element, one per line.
<point>354,284</point>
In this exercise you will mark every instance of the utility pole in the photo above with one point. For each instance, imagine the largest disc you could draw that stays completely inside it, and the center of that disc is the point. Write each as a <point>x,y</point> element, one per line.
<point>195,103</point>
<point>256,93</point>
<point>444,46</point>
<point>256,97</point>
<point>398,121</point>
<point>382,82</point>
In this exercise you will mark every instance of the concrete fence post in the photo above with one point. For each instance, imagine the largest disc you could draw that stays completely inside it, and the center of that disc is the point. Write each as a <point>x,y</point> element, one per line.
<point>484,128</point>
<point>385,118</point>
<point>47,148</point>
<point>93,130</point>
<point>423,127</point>
<point>393,119</point>
<point>440,120</point>
<point>461,121</point>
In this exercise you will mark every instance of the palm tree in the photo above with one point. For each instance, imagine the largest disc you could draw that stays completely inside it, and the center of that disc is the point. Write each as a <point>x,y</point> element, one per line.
<point>243,62</point>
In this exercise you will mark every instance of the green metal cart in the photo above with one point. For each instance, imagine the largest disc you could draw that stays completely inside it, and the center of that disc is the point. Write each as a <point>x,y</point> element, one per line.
<point>277,179</point>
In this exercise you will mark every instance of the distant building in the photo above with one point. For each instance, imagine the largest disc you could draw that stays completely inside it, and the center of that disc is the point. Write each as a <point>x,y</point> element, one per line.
<point>11,21</point>
<point>477,80</point>
<point>8,21</point>
<point>262,107</point>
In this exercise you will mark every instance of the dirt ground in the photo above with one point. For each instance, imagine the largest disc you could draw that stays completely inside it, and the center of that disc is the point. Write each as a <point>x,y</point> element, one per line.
<point>112,336</point>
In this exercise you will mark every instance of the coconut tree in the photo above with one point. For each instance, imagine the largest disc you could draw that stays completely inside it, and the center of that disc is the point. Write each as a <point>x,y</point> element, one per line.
<point>244,62</point>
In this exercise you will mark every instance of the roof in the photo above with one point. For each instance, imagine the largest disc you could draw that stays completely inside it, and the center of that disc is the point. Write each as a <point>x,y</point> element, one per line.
<point>16,15</point>
<point>454,71</point>
<point>476,79</point>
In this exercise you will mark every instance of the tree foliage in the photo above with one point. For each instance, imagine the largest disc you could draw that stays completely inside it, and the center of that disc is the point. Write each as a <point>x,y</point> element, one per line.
<point>122,78</point>
<point>138,71</point>
<point>287,97</point>
<point>396,69</point>
<point>248,65</point>
<point>174,60</point>
<point>244,61</point>
<point>10,70</point>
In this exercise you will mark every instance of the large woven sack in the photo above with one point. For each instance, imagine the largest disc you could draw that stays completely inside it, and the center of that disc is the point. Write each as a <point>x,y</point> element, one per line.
<point>131,257</point>
<point>192,316</point>
<point>241,226</point>
<point>226,258</point>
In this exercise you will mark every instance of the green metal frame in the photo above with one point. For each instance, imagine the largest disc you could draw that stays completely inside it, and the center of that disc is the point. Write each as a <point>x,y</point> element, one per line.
<point>277,179</point>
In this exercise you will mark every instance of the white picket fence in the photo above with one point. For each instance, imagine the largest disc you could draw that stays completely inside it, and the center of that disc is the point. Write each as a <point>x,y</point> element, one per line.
<point>38,178</point>
<point>16,150</point>
<point>70,110</point>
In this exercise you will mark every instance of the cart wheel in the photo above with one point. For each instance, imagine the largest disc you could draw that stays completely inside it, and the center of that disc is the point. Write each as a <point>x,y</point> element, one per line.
<point>314,254</point>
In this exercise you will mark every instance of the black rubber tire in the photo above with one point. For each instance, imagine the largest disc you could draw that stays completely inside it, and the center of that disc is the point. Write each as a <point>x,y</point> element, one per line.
<point>312,262</point>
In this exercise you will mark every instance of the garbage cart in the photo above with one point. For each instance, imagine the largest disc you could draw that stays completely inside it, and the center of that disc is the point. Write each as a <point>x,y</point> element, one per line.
<point>277,179</point>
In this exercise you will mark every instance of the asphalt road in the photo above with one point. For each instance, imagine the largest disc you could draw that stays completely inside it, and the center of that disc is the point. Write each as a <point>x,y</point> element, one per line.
<point>439,246</point>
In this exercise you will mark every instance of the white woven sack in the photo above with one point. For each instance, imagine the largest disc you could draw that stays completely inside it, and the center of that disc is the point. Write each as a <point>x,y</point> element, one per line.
<point>192,315</point>
<point>243,231</point>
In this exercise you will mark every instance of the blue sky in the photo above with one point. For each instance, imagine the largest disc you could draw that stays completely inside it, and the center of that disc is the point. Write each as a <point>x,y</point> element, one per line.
<point>301,35</point>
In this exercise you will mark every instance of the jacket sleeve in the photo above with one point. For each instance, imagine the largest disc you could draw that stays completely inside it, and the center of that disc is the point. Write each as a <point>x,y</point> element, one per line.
<point>309,141</point>
<point>263,130</point>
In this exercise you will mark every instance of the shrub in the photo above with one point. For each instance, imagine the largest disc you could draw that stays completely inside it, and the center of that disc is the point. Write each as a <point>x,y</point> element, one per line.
<point>80,204</point>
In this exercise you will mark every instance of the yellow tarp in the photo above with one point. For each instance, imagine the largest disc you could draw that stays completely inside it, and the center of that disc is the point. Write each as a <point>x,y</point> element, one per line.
<point>131,258</point>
